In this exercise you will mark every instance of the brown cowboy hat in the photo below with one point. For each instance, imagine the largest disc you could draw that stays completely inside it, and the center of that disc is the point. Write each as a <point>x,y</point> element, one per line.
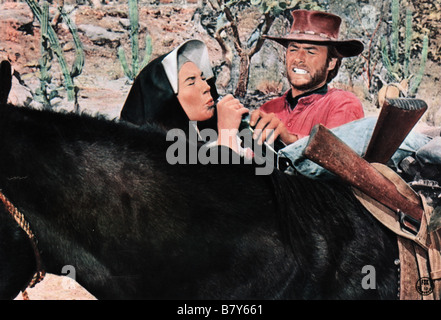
<point>320,28</point>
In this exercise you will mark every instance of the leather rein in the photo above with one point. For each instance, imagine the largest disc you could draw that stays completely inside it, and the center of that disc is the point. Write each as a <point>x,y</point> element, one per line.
<point>20,219</point>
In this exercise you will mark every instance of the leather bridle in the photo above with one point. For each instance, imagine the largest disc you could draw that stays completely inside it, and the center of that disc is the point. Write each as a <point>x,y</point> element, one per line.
<point>20,219</point>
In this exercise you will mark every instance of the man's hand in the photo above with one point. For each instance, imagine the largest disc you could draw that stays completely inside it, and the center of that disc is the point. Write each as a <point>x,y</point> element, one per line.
<point>268,127</point>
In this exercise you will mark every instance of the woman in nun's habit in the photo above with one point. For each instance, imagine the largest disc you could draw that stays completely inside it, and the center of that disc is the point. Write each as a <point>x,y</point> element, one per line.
<point>179,87</point>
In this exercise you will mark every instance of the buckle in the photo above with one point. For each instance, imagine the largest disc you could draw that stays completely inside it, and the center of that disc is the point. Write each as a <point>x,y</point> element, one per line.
<point>283,163</point>
<point>408,223</point>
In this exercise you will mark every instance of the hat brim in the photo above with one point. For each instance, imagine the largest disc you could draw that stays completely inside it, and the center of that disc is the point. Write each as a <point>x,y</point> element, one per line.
<point>346,48</point>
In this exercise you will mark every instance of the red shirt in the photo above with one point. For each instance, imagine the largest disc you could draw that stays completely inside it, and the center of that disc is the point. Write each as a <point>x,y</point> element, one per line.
<point>332,109</point>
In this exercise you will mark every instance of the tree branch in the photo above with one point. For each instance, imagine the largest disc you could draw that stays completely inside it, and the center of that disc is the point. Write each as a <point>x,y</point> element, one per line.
<point>230,18</point>
<point>227,53</point>
<point>268,23</point>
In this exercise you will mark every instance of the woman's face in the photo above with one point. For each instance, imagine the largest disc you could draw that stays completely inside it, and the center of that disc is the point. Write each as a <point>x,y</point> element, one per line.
<point>194,93</point>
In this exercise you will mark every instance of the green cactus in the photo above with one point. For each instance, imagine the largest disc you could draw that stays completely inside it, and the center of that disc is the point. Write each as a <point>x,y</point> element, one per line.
<point>42,93</point>
<point>397,62</point>
<point>131,73</point>
<point>51,45</point>
<point>417,80</point>
<point>407,42</point>
<point>78,64</point>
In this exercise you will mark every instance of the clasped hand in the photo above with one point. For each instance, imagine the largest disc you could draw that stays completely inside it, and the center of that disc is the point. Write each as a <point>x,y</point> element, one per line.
<point>267,127</point>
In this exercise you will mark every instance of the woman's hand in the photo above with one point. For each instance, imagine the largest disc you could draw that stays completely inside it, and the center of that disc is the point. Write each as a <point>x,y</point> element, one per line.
<point>229,114</point>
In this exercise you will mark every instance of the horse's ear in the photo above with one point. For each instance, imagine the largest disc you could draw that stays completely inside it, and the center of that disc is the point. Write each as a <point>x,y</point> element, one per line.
<point>5,81</point>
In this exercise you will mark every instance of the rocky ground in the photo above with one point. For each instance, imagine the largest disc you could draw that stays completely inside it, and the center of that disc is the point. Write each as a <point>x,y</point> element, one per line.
<point>102,84</point>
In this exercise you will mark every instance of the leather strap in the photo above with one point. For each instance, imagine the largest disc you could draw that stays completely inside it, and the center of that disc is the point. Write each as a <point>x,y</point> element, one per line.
<point>420,254</point>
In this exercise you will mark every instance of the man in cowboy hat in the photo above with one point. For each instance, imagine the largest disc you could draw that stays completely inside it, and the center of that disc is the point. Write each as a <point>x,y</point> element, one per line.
<point>313,58</point>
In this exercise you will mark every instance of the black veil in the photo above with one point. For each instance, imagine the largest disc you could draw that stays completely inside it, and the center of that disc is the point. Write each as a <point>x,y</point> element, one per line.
<point>153,96</point>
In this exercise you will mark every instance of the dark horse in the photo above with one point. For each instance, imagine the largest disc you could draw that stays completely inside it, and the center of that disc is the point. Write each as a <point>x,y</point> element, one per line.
<point>101,197</point>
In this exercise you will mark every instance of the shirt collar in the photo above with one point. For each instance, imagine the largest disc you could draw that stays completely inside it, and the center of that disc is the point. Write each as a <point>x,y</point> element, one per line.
<point>294,100</point>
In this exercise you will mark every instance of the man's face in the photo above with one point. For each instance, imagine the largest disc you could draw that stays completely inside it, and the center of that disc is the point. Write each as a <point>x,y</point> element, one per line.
<point>307,66</point>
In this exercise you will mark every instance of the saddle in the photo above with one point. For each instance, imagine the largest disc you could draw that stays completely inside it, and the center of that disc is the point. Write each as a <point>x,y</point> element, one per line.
<point>420,253</point>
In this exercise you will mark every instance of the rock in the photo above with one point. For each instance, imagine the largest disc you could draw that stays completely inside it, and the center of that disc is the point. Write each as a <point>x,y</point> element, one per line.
<point>125,23</point>
<point>21,95</point>
<point>99,35</point>
<point>17,43</point>
<point>20,13</point>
